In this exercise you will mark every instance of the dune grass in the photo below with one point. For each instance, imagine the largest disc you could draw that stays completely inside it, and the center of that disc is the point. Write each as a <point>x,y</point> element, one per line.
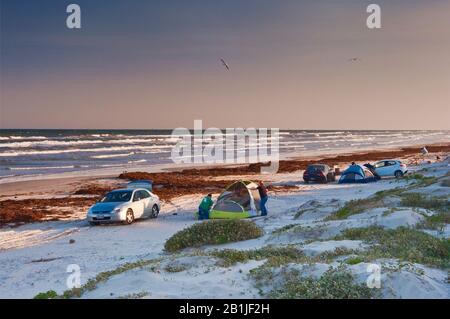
<point>276,256</point>
<point>213,232</point>
<point>422,201</point>
<point>335,283</point>
<point>402,243</point>
<point>51,294</point>
<point>358,206</point>
<point>92,283</point>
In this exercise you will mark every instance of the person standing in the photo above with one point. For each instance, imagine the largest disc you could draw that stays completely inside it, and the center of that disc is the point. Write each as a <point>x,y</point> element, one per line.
<point>205,207</point>
<point>264,197</point>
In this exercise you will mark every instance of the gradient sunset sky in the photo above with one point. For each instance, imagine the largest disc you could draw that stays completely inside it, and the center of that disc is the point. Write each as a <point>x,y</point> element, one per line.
<point>156,64</point>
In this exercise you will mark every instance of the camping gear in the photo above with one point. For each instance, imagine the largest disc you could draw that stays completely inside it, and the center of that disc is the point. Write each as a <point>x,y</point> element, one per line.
<point>372,169</point>
<point>357,174</point>
<point>239,200</point>
<point>144,183</point>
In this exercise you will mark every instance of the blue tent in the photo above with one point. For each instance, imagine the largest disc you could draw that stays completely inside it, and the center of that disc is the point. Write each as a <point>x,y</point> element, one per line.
<point>357,174</point>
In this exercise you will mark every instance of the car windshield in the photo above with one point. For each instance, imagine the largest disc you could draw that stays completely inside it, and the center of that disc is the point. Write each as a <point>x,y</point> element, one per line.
<point>121,196</point>
<point>313,168</point>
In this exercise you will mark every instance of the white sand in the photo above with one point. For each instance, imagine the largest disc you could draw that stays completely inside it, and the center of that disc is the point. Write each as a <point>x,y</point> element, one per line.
<point>98,249</point>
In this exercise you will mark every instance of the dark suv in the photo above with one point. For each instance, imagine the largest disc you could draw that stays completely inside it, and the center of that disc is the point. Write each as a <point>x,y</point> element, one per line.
<point>319,173</point>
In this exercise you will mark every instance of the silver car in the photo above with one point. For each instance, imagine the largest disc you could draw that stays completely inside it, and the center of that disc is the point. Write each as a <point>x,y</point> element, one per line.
<point>124,205</point>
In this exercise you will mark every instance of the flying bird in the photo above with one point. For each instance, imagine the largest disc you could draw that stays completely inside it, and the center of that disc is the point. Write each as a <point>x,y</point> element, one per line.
<point>354,59</point>
<point>225,64</point>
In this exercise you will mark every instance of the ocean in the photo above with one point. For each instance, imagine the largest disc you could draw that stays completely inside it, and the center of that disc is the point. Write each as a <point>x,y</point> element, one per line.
<point>40,152</point>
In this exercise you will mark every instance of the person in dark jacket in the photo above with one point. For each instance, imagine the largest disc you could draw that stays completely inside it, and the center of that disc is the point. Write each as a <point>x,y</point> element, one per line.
<point>264,197</point>
<point>205,207</point>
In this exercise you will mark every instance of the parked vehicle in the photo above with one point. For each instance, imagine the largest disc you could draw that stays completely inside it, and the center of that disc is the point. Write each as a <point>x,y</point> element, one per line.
<point>319,173</point>
<point>387,168</point>
<point>124,205</point>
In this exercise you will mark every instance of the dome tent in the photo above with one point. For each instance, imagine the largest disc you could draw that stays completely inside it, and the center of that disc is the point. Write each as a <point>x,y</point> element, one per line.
<point>357,174</point>
<point>239,200</point>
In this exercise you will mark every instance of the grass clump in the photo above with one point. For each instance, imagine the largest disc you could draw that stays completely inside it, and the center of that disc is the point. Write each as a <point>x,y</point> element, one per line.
<point>335,283</point>
<point>138,295</point>
<point>422,201</point>
<point>51,294</point>
<point>175,268</point>
<point>92,283</point>
<point>284,229</point>
<point>275,255</point>
<point>354,260</point>
<point>421,180</point>
<point>437,221</point>
<point>213,232</point>
<point>356,206</point>
<point>402,243</point>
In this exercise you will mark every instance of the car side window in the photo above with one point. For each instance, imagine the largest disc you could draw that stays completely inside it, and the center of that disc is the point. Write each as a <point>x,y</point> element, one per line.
<point>379,164</point>
<point>136,196</point>
<point>144,194</point>
<point>392,163</point>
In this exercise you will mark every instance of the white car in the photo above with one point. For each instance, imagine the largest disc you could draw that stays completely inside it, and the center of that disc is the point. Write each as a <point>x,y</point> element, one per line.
<point>386,168</point>
<point>124,205</point>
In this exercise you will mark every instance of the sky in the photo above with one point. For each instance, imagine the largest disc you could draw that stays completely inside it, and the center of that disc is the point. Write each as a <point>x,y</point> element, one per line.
<point>156,64</point>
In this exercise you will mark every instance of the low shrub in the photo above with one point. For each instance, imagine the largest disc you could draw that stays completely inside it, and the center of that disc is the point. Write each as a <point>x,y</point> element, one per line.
<point>335,283</point>
<point>275,255</point>
<point>51,294</point>
<point>422,201</point>
<point>402,243</point>
<point>354,260</point>
<point>92,283</point>
<point>213,232</point>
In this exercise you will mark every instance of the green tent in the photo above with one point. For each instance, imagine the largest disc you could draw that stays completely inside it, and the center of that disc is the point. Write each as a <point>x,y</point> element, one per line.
<point>239,200</point>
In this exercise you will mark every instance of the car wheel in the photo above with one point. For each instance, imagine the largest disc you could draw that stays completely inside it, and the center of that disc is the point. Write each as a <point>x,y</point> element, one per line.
<point>398,174</point>
<point>306,181</point>
<point>155,211</point>
<point>129,217</point>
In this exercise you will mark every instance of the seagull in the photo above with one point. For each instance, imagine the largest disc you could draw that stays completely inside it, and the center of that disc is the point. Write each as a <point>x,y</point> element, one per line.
<point>225,64</point>
<point>354,59</point>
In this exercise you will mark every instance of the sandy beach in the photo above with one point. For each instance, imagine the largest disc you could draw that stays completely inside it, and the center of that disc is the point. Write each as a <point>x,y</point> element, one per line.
<point>44,199</point>
<point>44,230</point>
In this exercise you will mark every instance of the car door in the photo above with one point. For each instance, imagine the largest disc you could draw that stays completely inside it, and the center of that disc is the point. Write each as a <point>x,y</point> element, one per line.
<point>148,204</point>
<point>391,167</point>
<point>138,204</point>
<point>381,168</point>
